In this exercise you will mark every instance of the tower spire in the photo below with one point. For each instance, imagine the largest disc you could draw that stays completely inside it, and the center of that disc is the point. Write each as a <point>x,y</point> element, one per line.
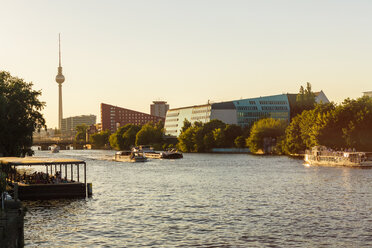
<point>60,79</point>
<point>59,44</point>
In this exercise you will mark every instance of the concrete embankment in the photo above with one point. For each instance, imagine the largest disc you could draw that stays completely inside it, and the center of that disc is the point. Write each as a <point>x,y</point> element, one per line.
<point>230,150</point>
<point>11,225</point>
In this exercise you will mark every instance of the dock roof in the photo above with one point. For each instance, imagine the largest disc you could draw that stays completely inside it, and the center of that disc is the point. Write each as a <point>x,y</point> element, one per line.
<point>38,161</point>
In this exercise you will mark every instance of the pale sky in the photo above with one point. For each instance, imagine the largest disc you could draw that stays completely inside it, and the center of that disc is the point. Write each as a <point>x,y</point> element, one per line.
<point>129,53</point>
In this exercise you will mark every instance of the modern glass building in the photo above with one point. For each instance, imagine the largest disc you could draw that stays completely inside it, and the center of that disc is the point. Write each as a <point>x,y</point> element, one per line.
<point>243,112</point>
<point>253,109</point>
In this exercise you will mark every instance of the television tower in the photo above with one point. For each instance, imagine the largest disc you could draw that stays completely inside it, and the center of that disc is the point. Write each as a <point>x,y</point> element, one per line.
<point>60,79</point>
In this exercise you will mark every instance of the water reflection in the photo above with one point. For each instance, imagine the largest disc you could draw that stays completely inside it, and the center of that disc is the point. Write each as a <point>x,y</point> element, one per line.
<point>208,201</point>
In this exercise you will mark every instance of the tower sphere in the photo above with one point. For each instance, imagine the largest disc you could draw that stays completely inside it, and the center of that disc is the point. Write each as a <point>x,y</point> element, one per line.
<point>60,78</point>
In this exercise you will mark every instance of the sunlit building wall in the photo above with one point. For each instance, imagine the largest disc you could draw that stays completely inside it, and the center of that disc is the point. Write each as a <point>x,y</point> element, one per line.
<point>243,112</point>
<point>175,117</point>
<point>69,124</point>
<point>113,117</point>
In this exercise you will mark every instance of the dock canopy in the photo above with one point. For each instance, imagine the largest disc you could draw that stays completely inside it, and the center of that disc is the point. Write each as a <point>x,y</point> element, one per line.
<point>14,161</point>
<point>56,182</point>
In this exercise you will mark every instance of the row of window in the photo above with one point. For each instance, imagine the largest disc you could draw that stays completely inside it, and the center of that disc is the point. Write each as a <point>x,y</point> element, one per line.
<point>273,102</point>
<point>172,125</point>
<point>254,114</point>
<point>274,108</point>
<point>283,115</point>
<point>136,118</point>
<point>247,108</point>
<point>171,131</point>
<point>200,111</point>
<point>173,114</point>
<point>171,120</point>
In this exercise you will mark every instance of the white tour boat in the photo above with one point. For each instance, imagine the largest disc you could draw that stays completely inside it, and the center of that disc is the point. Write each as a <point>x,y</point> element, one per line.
<point>321,155</point>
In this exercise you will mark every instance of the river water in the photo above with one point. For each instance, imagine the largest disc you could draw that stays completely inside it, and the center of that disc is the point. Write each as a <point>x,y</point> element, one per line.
<point>207,200</point>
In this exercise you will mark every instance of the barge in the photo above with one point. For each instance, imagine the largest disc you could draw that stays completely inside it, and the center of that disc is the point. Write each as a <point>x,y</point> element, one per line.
<point>61,178</point>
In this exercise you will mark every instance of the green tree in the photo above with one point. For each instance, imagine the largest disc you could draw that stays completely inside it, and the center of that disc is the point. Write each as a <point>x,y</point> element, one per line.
<point>186,125</point>
<point>307,129</point>
<point>185,140</point>
<point>231,133</point>
<point>239,142</point>
<point>293,142</point>
<point>213,124</point>
<point>129,136</point>
<point>305,100</point>
<point>101,139</point>
<point>19,115</point>
<point>124,137</point>
<point>150,134</point>
<point>198,139</point>
<point>208,141</point>
<point>219,137</point>
<point>349,125</point>
<point>265,128</point>
<point>81,133</point>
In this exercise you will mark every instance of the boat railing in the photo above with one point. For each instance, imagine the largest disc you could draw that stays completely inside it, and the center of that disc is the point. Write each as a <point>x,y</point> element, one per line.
<point>355,158</point>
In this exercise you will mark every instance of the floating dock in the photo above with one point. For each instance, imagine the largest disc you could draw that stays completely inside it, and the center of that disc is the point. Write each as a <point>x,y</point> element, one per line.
<point>62,185</point>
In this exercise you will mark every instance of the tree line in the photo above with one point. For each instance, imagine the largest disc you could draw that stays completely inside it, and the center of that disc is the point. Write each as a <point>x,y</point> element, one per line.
<point>132,135</point>
<point>202,137</point>
<point>338,126</point>
<point>345,125</point>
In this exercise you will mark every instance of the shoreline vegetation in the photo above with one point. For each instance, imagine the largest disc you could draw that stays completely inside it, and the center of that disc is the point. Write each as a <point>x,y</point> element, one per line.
<point>338,126</point>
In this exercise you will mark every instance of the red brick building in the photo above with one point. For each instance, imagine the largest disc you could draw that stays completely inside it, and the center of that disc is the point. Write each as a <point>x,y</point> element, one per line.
<point>113,117</point>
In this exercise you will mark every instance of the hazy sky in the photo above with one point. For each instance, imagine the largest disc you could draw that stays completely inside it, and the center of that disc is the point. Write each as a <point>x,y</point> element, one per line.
<point>129,53</point>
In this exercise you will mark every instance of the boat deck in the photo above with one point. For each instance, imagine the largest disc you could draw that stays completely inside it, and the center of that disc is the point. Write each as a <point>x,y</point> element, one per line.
<point>34,189</point>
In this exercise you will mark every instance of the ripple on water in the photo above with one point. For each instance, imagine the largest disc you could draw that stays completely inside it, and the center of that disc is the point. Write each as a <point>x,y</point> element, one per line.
<point>208,200</point>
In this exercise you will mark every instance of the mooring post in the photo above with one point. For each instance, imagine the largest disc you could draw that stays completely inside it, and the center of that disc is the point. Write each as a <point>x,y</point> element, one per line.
<point>15,191</point>
<point>85,180</point>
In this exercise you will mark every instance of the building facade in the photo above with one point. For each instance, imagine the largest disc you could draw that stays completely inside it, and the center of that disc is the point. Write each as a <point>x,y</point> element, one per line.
<point>159,108</point>
<point>243,112</point>
<point>69,124</point>
<point>113,117</point>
